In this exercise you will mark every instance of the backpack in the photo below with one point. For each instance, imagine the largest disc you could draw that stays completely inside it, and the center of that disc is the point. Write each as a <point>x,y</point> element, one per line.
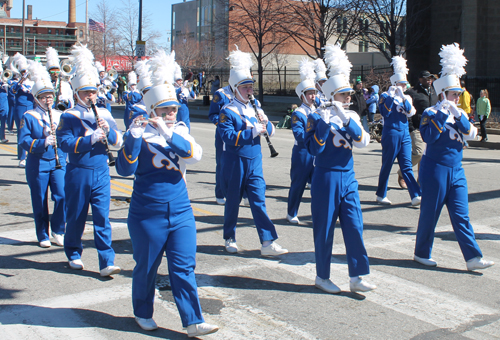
<point>285,122</point>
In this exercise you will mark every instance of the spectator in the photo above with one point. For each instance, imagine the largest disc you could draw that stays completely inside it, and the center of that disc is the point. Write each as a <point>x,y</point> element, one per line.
<point>121,87</point>
<point>464,101</point>
<point>215,85</point>
<point>359,104</point>
<point>483,109</point>
<point>372,102</point>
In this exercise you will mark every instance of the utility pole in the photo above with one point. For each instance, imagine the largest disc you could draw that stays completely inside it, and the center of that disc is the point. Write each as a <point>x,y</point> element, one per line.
<point>140,46</point>
<point>24,35</point>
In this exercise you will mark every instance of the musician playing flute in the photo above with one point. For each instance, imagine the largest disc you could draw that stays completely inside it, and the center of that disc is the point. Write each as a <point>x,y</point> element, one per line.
<point>331,134</point>
<point>87,173</point>
<point>45,163</point>
<point>240,130</point>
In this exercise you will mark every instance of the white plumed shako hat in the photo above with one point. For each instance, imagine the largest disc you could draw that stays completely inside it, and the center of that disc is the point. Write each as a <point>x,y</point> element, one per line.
<point>100,68</point>
<point>41,78</point>
<point>19,63</point>
<point>142,70</point>
<point>86,77</point>
<point>52,58</point>
<point>320,69</point>
<point>339,70</point>
<point>307,76</point>
<point>132,78</point>
<point>453,62</point>
<point>241,68</point>
<point>400,70</point>
<point>162,93</point>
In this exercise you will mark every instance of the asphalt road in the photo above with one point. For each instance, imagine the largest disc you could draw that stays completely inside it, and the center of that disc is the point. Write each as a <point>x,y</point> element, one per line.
<point>251,297</point>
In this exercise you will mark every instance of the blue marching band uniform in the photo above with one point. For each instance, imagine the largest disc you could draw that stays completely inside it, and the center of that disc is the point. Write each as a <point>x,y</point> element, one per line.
<point>4,110</point>
<point>131,98</point>
<point>41,172</point>
<point>221,98</point>
<point>23,102</point>
<point>183,96</point>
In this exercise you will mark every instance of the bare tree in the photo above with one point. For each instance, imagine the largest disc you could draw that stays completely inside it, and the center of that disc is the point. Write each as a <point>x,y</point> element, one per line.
<point>278,60</point>
<point>186,48</point>
<point>127,28</point>
<point>316,23</point>
<point>207,57</point>
<point>102,44</point>
<point>255,25</point>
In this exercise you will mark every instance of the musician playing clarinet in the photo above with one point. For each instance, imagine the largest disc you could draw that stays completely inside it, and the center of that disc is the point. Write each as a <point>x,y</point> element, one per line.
<point>45,163</point>
<point>85,139</point>
<point>240,130</point>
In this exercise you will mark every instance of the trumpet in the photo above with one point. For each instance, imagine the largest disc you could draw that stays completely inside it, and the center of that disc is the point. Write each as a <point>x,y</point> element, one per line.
<point>7,75</point>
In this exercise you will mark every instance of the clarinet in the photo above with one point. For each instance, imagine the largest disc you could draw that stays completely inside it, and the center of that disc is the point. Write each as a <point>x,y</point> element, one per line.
<point>110,155</point>
<point>58,163</point>
<point>274,153</point>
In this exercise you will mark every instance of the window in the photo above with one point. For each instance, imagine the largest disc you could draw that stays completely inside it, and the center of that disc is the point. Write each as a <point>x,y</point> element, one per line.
<point>173,20</point>
<point>28,30</point>
<point>12,29</point>
<point>57,44</point>
<point>57,32</point>
<point>34,30</point>
<point>49,43</point>
<point>1,30</point>
<point>50,31</point>
<point>18,30</point>
<point>81,33</point>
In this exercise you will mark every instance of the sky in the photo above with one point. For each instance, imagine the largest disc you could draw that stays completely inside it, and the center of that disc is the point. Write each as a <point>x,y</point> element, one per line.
<point>57,10</point>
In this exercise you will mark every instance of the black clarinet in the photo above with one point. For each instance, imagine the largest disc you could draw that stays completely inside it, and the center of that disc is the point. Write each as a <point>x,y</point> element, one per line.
<point>58,163</point>
<point>274,153</point>
<point>110,155</point>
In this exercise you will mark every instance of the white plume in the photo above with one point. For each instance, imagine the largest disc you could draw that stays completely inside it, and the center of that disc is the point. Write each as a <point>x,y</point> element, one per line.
<point>320,66</point>
<point>19,63</point>
<point>142,69</point>
<point>399,65</point>
<point>452,60</point>
<point>52,57</point>
<point>83,60</point>
<point>240,60</point>
<point>306,69</point>
<point>132,77</point>
<point>162,67</point>
<point>38,72</point>
<point>99,67</point>
<point>337,61</point>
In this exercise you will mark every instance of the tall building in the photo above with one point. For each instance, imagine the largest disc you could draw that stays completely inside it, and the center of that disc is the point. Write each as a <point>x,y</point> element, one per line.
<point>39,34</point>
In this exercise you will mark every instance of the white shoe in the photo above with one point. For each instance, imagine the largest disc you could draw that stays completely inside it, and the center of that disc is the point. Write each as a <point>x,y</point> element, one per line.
<point>76,264</point>
<point>361,286</point>
<point>4,141</point>
<point>146,324</point>
<point>110,270</point>
<point>245,202</point>
<point>272,250</point>
<point>478,263</point>
<point>415,201</point>
<point>220,201</point>
<point>201,329</point>
<point>22,163</point>
<point>231,246</point>
<point>426,262</point>
<point>327,285</point>
<point>383,200</point>
<point>59,238</point>
<point>292,220</point>
<point>45,244</point>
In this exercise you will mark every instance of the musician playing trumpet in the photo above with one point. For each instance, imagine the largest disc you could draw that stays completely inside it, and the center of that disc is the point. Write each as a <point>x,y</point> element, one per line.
<point>82,136</point>
<point>45,163</point>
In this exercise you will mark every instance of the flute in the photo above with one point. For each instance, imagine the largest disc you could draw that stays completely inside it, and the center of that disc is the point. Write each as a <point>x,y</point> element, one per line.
<point>106,144</point>
<point>58,163</point>
<point>330,103</point>
<point>140,121</point>
<point>274,153</point>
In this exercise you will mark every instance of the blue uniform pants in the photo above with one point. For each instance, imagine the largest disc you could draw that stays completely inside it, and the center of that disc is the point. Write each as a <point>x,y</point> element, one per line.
<point>219,147</point>
<point>335,194</point>
<point>156,228</point>
<point>10,120</point>
<point>444,185</point>
<point>245,175</point>
<point>397,144</point>
<point>86,187</point>
<point>19,111</point>
<point>41,175</point>
<point>4,116</point>
<point>300,173</point>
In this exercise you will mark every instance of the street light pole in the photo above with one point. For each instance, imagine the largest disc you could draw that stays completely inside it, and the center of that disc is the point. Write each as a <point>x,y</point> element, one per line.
<point>24,36</point>
<point>139,35</point>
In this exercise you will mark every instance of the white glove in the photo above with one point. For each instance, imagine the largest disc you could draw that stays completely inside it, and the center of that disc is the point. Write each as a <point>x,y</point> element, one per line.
<point>339,110</point>
<point>50,140</point>
<point>97,136</point>
<point>444,105</point>
<point>257,130</point>
<point>412,112</point>
<point>263,118</point>
<point>454,110</point>
<point>392,90</point>
<point>325,115</point>
<point>103,124</point>
<point>164,130</point>
<point>399,92</point>
<point>137,131</point>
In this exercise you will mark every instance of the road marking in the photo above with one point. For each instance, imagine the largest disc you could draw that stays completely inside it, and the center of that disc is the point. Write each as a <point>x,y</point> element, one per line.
<point>3,147</point>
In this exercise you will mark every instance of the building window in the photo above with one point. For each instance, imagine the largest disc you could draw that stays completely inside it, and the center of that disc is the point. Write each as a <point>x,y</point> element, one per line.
<point>28,30</point>
<point>50,31</point>
<point>81,33</point>
<point>57,44</point>
<point>12,29</point>
<point>1,30</point>
<point>18,30</point>
<point>57,32</point>
<point>49,43</point>
<point>34,30</point>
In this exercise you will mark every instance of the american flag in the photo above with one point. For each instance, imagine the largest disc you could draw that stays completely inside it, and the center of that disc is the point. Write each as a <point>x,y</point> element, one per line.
<point>96,26</point>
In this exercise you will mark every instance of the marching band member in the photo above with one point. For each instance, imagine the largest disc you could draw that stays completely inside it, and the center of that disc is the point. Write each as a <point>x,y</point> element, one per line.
<point>320,70</point>
<point>63,91</point>
<point>4,105</point>
<point>183,96</point>
<point>444,127</point>
<point>131,97</point>
<point>331,134</point>
<point>106,88</point>
<point>45,163</point>
<point>24,98</point>
<point>160,217</point>
<point>143,86</point>
<point>221,98</point>
<point>240,130</point>
<point>302,161</point>
<point>11,97</point>
<point>87,178</point>
<point>396,108</point>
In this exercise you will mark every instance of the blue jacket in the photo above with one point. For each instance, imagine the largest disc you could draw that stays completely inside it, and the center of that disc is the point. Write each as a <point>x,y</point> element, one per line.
<point>373,100</point>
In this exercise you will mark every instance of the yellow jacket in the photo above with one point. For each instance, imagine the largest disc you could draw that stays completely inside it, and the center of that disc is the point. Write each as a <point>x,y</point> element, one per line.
<point>464,101</point>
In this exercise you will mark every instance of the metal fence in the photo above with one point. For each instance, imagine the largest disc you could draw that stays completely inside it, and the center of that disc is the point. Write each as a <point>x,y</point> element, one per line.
<point>475,84</point>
